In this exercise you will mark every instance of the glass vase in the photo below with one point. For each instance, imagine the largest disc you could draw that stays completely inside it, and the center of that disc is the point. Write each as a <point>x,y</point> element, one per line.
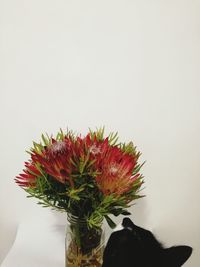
<point>83,245</point>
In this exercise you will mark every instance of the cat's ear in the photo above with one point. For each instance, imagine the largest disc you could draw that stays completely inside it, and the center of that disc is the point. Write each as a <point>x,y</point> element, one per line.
<point>177,256</point>
<point>128,224</point>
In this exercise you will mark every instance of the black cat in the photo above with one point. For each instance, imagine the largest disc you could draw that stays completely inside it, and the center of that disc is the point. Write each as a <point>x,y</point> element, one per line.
<point>134,246</point>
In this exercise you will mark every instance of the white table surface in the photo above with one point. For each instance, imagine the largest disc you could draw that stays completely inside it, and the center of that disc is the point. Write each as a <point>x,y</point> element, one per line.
<point>37,244</point>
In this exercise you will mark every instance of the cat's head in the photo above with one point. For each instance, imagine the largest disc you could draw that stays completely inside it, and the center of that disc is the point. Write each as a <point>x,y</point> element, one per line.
<point>134,246</point>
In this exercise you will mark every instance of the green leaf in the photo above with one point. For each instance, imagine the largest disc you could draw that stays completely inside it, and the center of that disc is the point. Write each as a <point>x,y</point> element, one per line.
<point>125,212</point>
<point>113,138</point>
<point>110,222</point>
<point>45,140</point>
<point>138,167</point>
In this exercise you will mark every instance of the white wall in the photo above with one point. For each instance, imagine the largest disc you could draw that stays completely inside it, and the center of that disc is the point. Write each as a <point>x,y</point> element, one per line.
<point>132,66</point>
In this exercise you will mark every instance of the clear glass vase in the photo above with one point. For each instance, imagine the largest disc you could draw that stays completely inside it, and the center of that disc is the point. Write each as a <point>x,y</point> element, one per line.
<point>83,246</point>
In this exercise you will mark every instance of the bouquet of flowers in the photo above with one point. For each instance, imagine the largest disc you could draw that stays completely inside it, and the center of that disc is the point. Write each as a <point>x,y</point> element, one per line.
<point>89,177</point>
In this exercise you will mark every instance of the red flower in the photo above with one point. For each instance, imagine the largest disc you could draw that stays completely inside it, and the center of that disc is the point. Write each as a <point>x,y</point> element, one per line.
<point>97,148</point>
<point>28,178</point>
<point>55,159</point>
<point>116,170</point>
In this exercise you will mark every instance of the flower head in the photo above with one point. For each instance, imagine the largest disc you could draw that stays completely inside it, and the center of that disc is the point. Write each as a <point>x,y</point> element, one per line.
<point>28,178</point>
<point>55,159</point>
<point>116,172</point>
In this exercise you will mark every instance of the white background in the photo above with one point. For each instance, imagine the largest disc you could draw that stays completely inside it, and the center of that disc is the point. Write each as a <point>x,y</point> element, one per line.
<point>132,66</point>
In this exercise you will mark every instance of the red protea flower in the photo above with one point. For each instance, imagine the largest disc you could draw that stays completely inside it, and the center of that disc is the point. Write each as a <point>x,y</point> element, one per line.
<point>97,148</point>
<point>55,159</point>
<point>116,168</point>
<point>28,178</point>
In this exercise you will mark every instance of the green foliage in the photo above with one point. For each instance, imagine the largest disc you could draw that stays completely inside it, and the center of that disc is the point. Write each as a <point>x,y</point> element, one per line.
<point>99,134</point>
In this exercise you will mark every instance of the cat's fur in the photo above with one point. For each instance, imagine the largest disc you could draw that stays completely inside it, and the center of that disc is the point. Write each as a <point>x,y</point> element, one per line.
<point>134,246</point>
